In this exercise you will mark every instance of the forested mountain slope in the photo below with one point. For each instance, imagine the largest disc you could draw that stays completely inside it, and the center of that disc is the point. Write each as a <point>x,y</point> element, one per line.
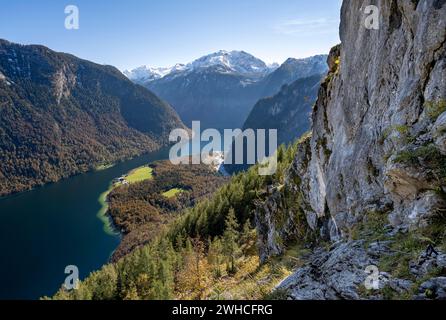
<point>60,115</point>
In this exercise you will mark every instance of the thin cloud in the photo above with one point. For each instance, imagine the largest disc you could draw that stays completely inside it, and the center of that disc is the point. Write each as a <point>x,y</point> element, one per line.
<point>307,26</point>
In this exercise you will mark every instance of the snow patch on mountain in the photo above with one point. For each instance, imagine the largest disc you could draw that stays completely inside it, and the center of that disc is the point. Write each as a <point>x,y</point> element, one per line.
<point>273,66</point>
<point>237,61</point>
<point>147,74</point>
<point>308,66</point>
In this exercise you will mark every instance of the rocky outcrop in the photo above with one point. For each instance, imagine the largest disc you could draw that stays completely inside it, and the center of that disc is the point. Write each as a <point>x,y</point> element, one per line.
<point>63,82</point>
<point>338,272</point>
<point>378,139</point>
<point>439,133</point>
<point>332,275</point>
<point>426,264</point>
<point>433,289</point>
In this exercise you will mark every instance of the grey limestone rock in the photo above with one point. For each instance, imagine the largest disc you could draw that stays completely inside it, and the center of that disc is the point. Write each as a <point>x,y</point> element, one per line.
<point>371,131</point>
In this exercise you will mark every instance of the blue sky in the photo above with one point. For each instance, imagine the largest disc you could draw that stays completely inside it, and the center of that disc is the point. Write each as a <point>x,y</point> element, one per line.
<point>131,33</point>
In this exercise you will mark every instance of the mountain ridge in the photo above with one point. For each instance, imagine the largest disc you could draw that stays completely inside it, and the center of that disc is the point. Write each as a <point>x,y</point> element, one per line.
<point>145,74</point>
<point>235,61</point>
<point>288,111</point>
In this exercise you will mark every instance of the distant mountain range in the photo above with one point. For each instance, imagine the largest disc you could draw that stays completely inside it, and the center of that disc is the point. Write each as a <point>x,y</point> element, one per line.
<point>236,62</point>
<point>60,115</point>
<point>144,74</point>
<point>221,89</point>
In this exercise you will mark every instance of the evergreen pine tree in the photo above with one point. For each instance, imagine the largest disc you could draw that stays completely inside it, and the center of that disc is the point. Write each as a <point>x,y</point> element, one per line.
<point>215,256</point>
<point>231,237</point>
<point>246,234</point>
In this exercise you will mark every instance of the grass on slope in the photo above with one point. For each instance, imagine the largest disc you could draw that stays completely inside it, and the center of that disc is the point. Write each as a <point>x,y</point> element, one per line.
<point>252,280</point>
<point>140,174</point>
<point>136,175</point>
<point>172,192</point>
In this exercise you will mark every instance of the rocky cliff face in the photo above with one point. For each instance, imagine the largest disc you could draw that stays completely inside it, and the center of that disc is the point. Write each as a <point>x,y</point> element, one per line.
<point>377,144</point>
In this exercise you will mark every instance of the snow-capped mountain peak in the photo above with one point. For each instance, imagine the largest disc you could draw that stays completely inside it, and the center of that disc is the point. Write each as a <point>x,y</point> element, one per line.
<point>147,74</point>
<point>273,66</point>
<point>238,62</point>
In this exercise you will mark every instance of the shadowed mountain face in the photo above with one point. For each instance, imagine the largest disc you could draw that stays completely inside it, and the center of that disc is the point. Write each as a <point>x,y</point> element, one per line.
<point>294,69</point>
<point>214,96</point>
<point>288,111</point>
<point>60,115</point>
<point>220,89</point>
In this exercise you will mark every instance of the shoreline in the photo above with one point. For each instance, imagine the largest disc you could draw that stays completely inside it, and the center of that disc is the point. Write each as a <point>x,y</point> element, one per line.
<point>94,169</point>
<point>216,163</point>
<point>103,215</point>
